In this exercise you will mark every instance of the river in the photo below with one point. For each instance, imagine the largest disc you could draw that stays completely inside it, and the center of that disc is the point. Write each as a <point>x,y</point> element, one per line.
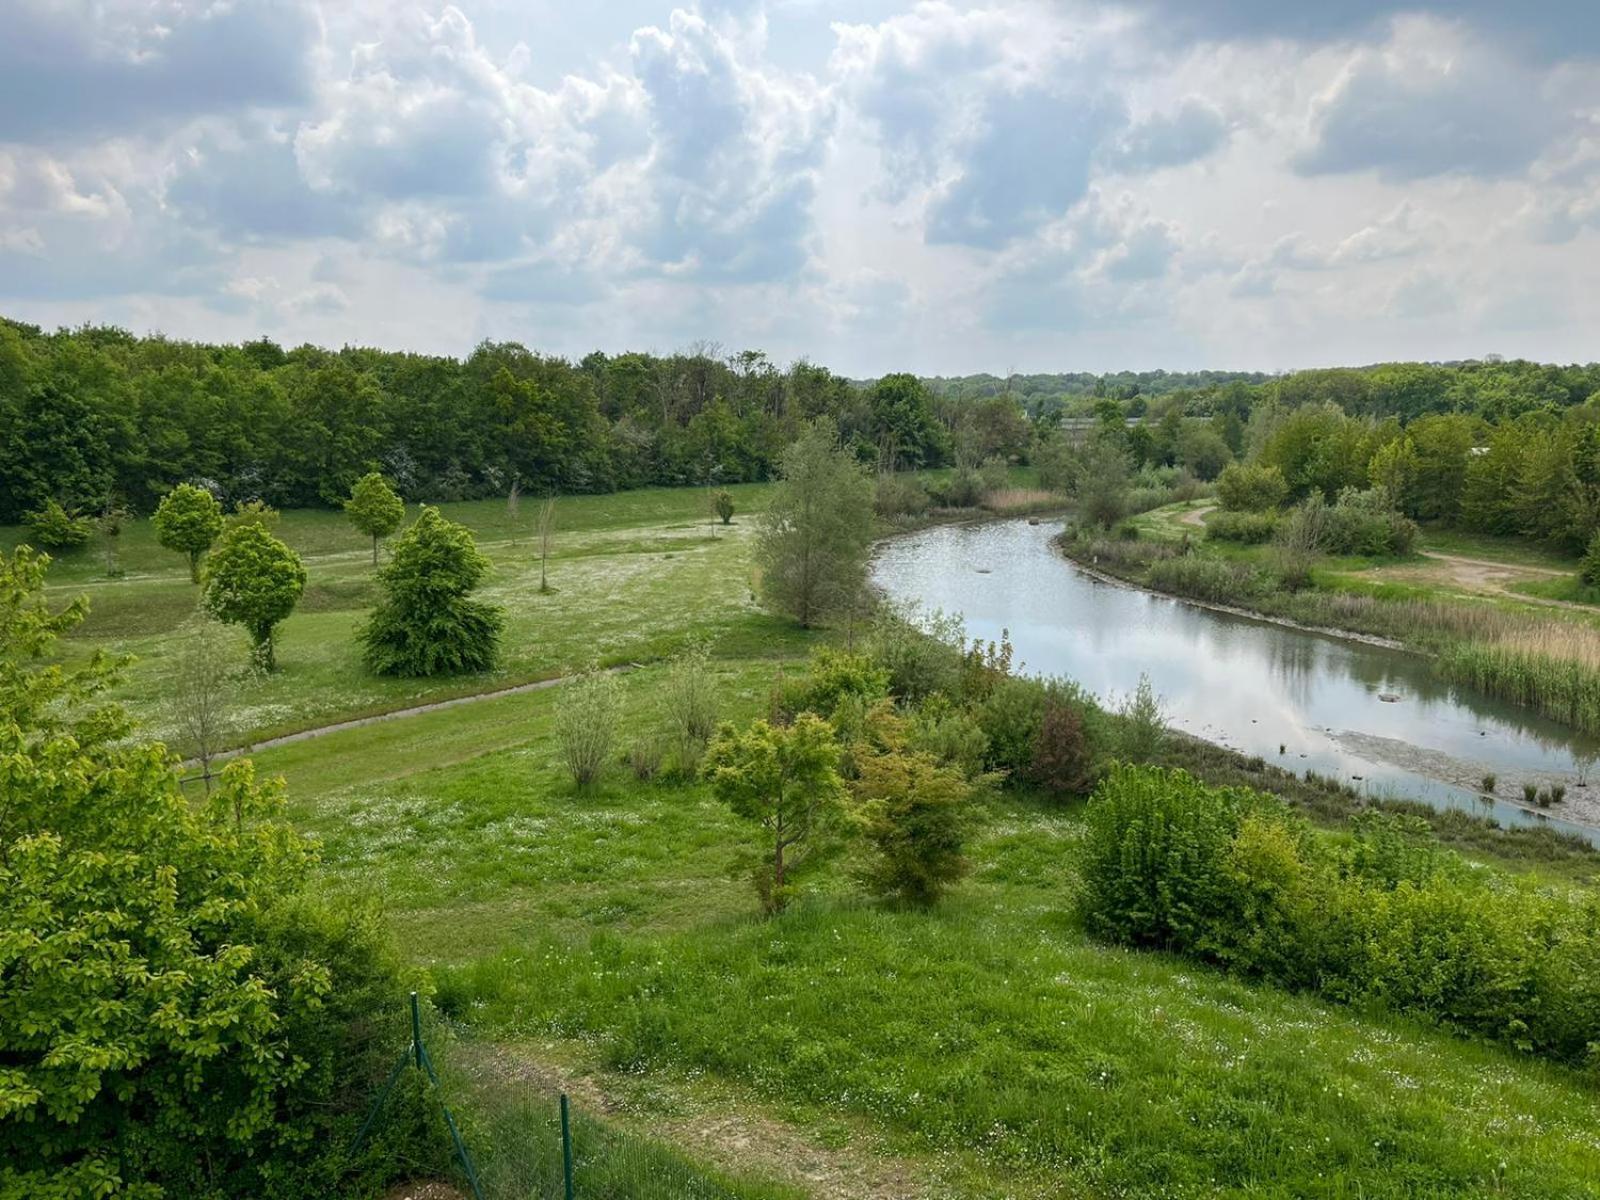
<point>1249,685</point>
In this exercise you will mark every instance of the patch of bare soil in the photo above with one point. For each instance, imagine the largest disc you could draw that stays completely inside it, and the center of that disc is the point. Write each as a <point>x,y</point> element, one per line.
<point>1479,576</point>
<point>1196,516</point>
<point>745,1140</point>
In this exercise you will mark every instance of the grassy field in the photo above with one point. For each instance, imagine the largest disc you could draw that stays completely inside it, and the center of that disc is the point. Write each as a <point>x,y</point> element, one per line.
<point>609,942</point>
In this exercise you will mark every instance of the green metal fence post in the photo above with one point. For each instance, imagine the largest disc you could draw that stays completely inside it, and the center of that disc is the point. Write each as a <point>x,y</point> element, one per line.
<point>566,1146</point>
<point>416,1031</point>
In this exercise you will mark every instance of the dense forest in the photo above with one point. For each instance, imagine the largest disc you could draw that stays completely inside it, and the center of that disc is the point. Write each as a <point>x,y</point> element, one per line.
<point>96,417</point>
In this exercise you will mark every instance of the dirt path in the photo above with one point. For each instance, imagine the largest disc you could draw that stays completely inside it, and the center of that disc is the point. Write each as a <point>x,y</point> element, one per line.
<point>734,1135</point>
<point>1483,576</point>
<point>1196,516</point>
<point>302,735</point>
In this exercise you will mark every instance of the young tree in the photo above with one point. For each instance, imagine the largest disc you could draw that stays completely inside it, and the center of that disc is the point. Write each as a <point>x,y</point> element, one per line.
<point>691,703</point>
<point>202,691</point>
<point>1299,540</point>
<point>815,536</point>
<point>722,502</point>
<point>374,509</point>
<point>113,519</point>
<point>1144,724</point>
<point>912,813</point>
<point>180,1020</point>
<point>425,624</point>
<point>1102,482</point>
<point>588,709</point>
<point>547,532</point>
<point>188,520</point>
<point>54,528</point>
<point>785,779</point>
<point>253,580</point>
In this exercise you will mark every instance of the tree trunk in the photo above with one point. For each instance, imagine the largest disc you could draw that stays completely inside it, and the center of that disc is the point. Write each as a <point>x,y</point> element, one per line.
<point>374,549</point>
<point>194,566</point>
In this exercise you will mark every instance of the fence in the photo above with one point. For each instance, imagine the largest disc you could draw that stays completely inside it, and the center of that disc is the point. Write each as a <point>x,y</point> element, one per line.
<point>520,1140</point>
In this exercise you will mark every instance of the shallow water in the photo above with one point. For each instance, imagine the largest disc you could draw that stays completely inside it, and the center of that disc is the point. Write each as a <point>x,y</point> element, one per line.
<point>1245,684</point>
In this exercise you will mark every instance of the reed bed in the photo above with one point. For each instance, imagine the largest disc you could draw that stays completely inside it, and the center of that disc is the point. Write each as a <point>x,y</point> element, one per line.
<point>1019,501</point>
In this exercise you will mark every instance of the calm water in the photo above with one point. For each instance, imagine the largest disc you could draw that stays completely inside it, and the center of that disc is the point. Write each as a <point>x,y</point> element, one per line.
<point>1240,683</point>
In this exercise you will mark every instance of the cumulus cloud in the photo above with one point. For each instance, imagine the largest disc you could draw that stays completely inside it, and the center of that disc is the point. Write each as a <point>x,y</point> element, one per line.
<point>1430,104</point>
<point>77,68</point>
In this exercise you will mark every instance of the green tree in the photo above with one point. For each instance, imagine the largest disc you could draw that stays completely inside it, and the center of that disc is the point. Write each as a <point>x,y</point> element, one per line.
<point>1394,468</point>
<point>426,624</point>
<point>786,780</point>
<point>911,810</point>
<point>903,425</point>
<point>176,1018</point>
<point>374,509</point>
<point>722,502</point>
<point>1251,488</point>
<point>188,520</point>
<point>816,534</point>
<point>253,580</point>
<point>1589,571</point>
<point>54,528</point>
<point>1102,482</point>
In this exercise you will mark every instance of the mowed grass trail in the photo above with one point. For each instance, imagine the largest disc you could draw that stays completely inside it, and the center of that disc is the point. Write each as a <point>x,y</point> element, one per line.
<point>633,574</point>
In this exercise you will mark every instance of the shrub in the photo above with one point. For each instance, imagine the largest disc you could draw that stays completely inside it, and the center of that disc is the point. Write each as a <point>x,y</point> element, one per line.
<point>910,811</point>
<point>588,710</point>
<point>920,651</point>
<point>1245,488</point>
<point>1247,528</point>
<point>425,624</point>
<point>691,703</point>
<point>722,503</point>
<point>1013,713</point>
<point>1063,755</point>
<point>899,495</point>
<point>1366,523</point>
<point>963,488</point>
<point>1142,727</point>
<point>1217,580</point>
<point>832,676</point>
<point>1229,875</point>
<point>1299,541</point>
<point>1589,570</point>
<point>645,757</point>
<point>54,528</point>
<point>950,734</point>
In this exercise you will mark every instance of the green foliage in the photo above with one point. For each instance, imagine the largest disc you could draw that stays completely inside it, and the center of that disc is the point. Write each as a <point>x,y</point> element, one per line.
<point>1143,727</point>
<point>1216,580</point>
<point>691,703</point>
<point>54,528</point>
<point>920,651</point>
<point>901,495</point>
<point>1100,483</point>
<point>177,1018</point>
<point>833,676</point>
<point>1245,488</point>
<point>722,504</point>
<point>910,810</point>
<point>188,520</point>
<point>1231,876</point>
<point>374,508</point>
<point>951,735</point>
<point>425,624</point>
<point>784,779</point>
<point>816,533</point>
<point>1589,570</point>
<point>1011,717</point>
<point>1064,759</point>
<point>1246,527</point>
<point>254,581</point>
<point>588,711</point>
<point>1367,523</point>
<point>903,427</point>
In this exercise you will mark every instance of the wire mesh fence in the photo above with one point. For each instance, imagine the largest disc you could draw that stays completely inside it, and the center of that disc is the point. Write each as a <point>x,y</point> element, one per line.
<point>514,1139</point>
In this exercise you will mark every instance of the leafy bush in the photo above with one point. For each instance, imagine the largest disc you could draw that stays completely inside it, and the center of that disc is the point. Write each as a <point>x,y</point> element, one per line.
<point>899,495</point>
<point>832,676</point>
<point>1012,715</point>
<point>722,504</point>
<point>588,711</point>
<point>426,624</point>
<point>920,651</point>
<point>691,703</point>
<point>645,757</point>
<point>1247,528</point>
<point>963,488</point>
<point>54,528</point>
<point>950,734</point>
<point>1063,753</point>
<point>1245,488</point>
<point>910,810</point>
<point>1366,523</point>
<point>1142,729</point>
<point>1232,876</point>
<point>180,1017</point>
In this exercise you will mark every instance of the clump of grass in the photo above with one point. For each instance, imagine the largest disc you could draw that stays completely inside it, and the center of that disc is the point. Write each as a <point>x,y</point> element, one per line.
<point>1486,785</point>
<point>1558,793</point>
<point>1530,793</point>
<point>1553,671</point>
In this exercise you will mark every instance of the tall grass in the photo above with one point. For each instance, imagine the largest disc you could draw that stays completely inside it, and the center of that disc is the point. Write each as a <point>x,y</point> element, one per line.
<point>1554,671</point>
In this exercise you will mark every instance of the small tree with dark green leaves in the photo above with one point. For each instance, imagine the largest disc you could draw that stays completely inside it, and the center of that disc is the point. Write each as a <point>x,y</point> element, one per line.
<point>253,580</point>
<point>723,503</point>
<point>786,780</point>
<point>426,624</point>
<point>374,509</point>
<point>54,528</point>
<point>113,519</point>
<point>188,520</point>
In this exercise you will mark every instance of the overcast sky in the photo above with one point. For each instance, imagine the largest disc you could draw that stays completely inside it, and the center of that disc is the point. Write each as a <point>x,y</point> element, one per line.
<point>936,187</point>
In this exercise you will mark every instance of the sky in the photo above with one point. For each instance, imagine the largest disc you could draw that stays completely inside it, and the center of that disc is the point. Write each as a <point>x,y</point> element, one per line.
<point>935,187</point>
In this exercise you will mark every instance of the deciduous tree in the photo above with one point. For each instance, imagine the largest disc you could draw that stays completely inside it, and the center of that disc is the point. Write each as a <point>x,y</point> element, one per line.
<point>374,509</point>
<point>188,520</point>
<point>253,580</point>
